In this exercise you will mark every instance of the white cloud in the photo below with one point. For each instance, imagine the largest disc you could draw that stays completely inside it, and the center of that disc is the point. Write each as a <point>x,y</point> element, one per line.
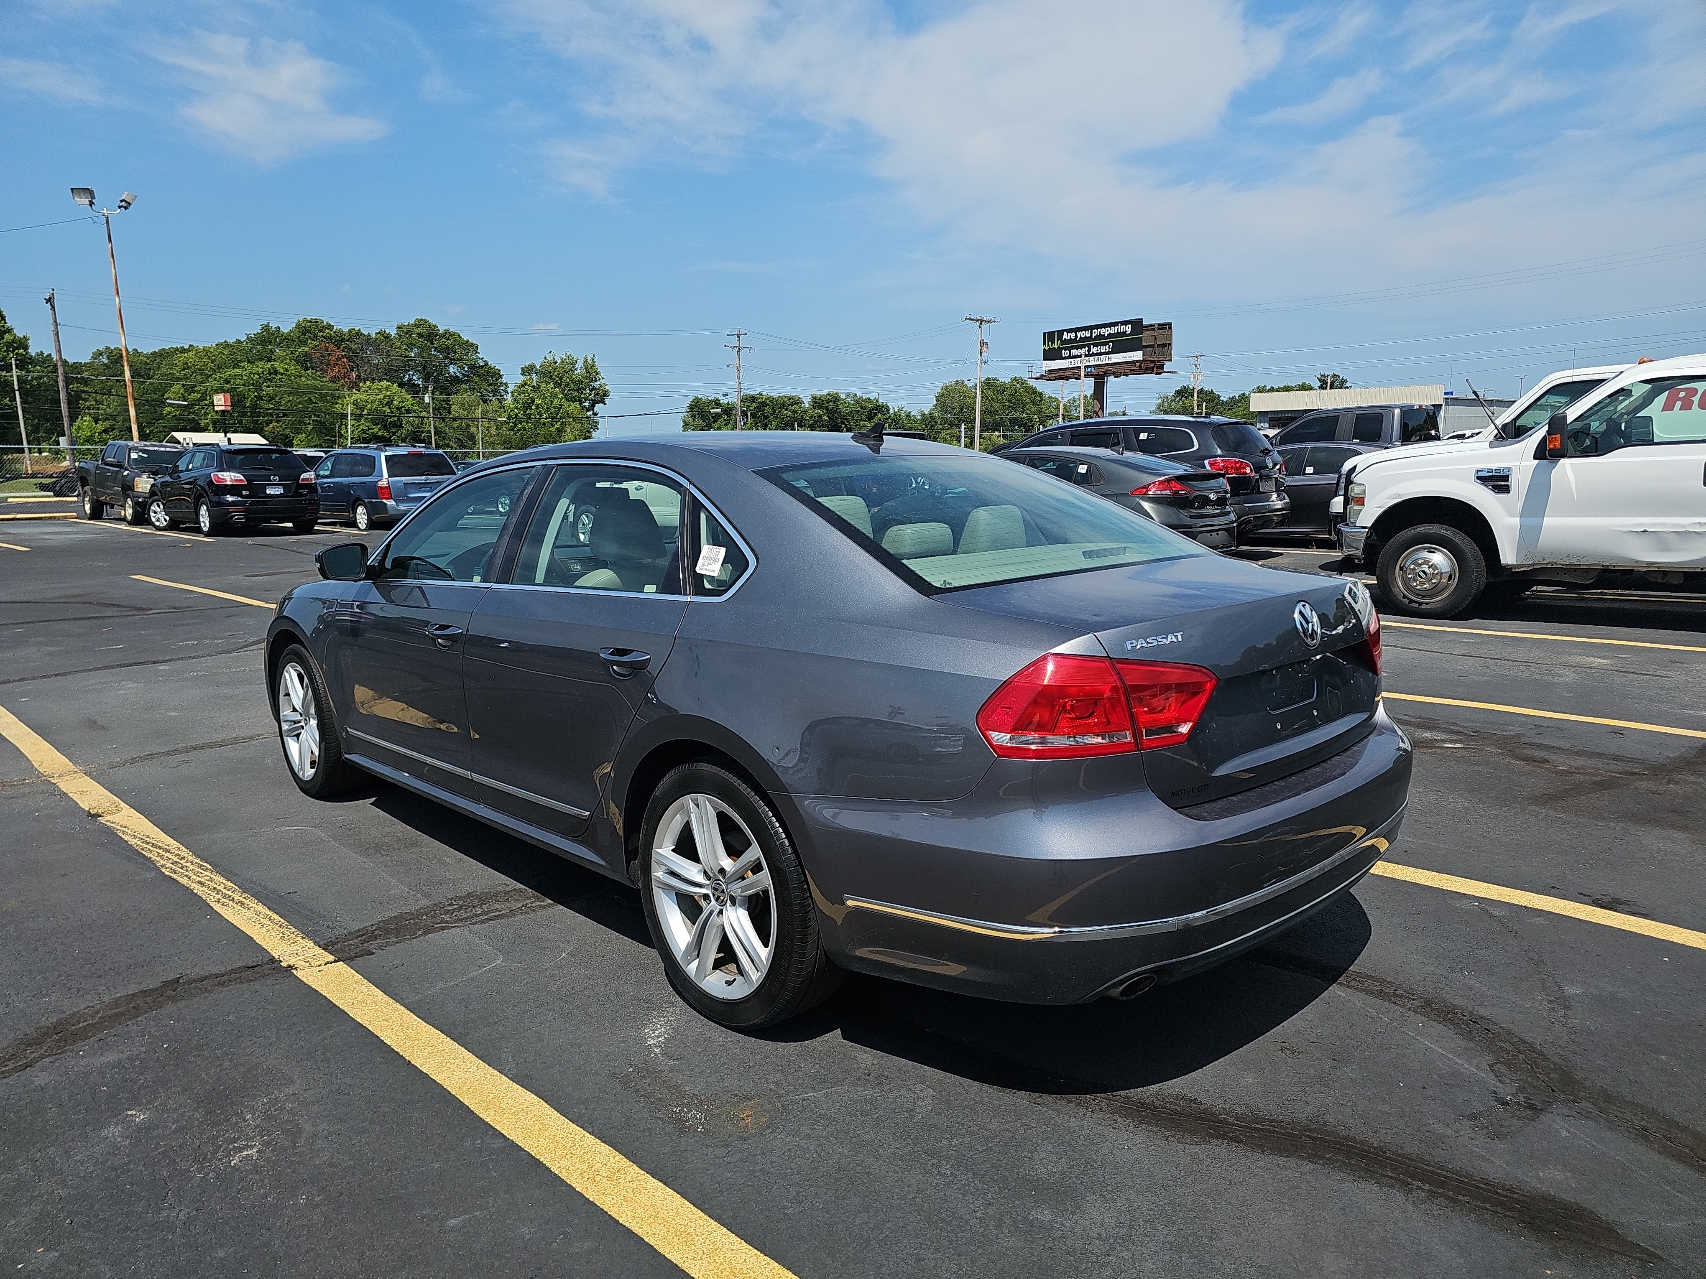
<point>1343,96</point>
<point>265,99</point>
<point>47,80</point>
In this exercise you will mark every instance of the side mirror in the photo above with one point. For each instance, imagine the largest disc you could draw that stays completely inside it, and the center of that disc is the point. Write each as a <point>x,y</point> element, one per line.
<point>346,562</point>
<point>1557,444</point>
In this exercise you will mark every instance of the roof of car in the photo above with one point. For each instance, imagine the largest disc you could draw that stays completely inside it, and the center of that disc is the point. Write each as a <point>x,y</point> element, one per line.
<point>754,450</point>
<point>1103,456</point>
<point>1145,419</point>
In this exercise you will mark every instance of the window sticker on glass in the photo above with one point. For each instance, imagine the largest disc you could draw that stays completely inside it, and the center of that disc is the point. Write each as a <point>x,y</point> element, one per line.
<point>710,560</point>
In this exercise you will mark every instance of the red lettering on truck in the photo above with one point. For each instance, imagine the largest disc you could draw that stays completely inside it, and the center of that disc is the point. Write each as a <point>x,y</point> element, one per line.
<point>1680,397</point>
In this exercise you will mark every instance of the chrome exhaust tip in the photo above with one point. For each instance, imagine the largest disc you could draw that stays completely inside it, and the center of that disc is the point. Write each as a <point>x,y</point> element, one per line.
<point>1138,985</point>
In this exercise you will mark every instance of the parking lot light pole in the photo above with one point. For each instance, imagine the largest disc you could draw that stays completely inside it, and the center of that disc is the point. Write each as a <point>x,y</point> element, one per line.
<point>977,395</point>
<point>86,197</point>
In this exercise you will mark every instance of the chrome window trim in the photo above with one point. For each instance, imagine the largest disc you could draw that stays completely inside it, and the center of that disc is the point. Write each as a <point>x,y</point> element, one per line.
<point>688,486</point>
<point>468,776</point>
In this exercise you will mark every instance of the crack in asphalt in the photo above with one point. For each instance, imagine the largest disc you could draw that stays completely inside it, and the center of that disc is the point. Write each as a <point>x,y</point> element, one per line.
<point>462,911</point>
<point>147,661</point>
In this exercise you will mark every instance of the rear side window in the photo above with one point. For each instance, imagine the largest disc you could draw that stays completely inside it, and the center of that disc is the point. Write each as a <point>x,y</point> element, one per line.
<point>1164,439</point>
<point>1367,429</point>
<point>1238,437</point>
<point>1296,457</point>
<point>718,561</point>
<point>1096,439</point>
<point>1326,459</point>
<point>1311,430</point>
<point>405,466</point>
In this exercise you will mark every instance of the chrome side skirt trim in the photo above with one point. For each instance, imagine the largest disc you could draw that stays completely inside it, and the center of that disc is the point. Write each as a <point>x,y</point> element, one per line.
<point>491,816</point>
<point>1360,840</point>
<point>467,776</point>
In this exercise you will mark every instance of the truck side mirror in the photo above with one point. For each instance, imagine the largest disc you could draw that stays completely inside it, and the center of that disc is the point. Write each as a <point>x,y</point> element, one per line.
<point>1557,443</point>
<point>345,562</point>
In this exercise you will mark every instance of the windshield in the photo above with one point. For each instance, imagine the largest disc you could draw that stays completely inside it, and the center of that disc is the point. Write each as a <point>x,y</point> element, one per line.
<point>950,521</point>
<point>275,460</point>
<point>1662,411</point>
<point>407,465</point>
<point>154,457</point>
<point>1551,400</point>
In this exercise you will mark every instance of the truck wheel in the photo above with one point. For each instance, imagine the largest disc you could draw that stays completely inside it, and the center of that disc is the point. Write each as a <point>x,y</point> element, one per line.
<point>92,510</point>
<point>1432,570</point>
<point>133,512</point>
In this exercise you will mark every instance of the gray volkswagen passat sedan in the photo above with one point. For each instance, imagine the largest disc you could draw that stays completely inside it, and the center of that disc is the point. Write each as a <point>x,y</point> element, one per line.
<point>846,703</point>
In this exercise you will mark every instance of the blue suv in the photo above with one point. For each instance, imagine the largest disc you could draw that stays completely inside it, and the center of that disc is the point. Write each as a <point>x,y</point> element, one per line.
<point>376,487</point>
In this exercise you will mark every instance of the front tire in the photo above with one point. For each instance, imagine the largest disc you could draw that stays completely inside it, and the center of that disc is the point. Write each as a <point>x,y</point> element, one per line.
<point>363,520</point>
<point>204,518</point>
<point>92,510</point>
<point>306,730</point>
<point>133,513</point>
<point>1432,570</point>
<point>727,902</point>
<point>157,516</point>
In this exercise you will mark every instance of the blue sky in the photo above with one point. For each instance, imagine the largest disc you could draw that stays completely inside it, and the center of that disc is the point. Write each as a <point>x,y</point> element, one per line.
<point>1400,192</point>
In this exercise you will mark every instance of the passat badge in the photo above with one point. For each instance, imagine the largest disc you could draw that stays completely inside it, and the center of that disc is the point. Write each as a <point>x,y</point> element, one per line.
<point>1154,641</point>
<point>1308,623</point>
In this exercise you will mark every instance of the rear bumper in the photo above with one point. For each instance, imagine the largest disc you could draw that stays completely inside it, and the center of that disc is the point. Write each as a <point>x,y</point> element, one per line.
<point>1180,895</point>
<point>264,510</point>
<point>1254,516</point>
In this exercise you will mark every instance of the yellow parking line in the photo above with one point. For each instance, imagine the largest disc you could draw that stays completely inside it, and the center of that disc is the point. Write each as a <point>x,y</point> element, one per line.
<point>146,532</point>
<point>682,1233</point>
<point>201,590</point>
<point>42,497</point>
<point>1539,901</point>
<point>1529,710</point>
<point>43,515</point>
<point>1568,639</point>
<point>11,547</point>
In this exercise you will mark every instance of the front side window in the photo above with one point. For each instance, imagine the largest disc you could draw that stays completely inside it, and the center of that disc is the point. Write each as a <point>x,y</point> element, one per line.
<point>324,470</point>
<point>950,521</point>
<point>1662,411</point>
<point>452,537</point>
<point>605,528</point>
<point>1418,426</point>
<point>112,453</point>
<point>1311,430</point>
<point>1550,401</point>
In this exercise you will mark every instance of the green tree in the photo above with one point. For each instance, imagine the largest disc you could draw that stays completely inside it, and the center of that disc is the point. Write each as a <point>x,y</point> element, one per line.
<point>444,360</point>
<point>556,400</point>
<point>1330,382</point>
<point>1213,404</point>
<point>384,413</point>
<point>1012,409</point>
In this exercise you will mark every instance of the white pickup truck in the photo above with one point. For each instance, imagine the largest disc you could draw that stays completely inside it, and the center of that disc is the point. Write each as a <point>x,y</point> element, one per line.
<point>1614,482</point>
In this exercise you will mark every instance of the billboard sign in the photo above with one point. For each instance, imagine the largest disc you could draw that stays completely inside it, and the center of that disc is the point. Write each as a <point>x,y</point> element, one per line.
<point>1116,342</point>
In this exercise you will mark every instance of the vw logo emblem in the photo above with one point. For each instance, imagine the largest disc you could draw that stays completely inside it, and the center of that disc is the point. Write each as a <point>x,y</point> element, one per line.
<point>1308,623</point>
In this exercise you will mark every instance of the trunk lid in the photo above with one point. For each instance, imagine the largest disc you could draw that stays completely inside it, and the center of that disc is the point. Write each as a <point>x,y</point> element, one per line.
<point>1281,705</point>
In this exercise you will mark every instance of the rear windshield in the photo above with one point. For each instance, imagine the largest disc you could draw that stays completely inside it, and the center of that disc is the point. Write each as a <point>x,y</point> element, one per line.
<point>275,460</point>
<point>1239,437</point>
<point>154,457</point>
<point>950,521</point>
<point>404,465</point>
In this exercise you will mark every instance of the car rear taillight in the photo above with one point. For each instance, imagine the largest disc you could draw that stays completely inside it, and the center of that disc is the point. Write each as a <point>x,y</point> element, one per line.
<point>1369,649</point>
<point>1230,466</point>
<point>1063,706</point>
<point>383,490</point>
<point>307,478</point>
<point>1157,487</point>
<point>1166,700</point>
<point>229,477</point>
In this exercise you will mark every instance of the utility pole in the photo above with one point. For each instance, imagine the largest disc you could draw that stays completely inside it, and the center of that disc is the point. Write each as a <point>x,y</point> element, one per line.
<point>1196,384</point>
<point>19,401</point>
<point>64,401</point>
<point>1081,388</point>
<point>349,421</point>
<point>432,429</point>
<point>977,394</point>
<point>480,431</point>
<point>1063,401</point>
<point>737,348</point>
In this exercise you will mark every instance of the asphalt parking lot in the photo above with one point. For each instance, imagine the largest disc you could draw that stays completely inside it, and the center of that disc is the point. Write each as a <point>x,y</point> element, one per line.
<point>1436,1077</point>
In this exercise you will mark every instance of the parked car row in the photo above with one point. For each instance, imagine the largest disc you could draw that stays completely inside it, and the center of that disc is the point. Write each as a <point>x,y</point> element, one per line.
<point>222,486</point>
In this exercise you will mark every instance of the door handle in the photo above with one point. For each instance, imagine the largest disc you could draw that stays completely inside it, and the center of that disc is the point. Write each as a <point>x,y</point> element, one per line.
<point>444,636</point>
<point>625,663</point>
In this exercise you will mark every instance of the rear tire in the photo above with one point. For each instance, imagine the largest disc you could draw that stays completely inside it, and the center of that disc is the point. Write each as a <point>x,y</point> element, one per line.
<point>1432,570</point>
<point>92,510</point>
<point>767,963</point>
<point>304,526</point>
<point>363,520</point>
<point>204,518</point>
<point>307,732</point>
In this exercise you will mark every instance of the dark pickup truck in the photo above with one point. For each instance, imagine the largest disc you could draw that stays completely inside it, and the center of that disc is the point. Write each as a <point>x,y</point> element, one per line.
<point>122,478</point>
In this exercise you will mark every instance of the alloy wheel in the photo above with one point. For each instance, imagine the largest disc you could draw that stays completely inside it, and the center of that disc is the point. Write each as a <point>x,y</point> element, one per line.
<point>204,517</point>
<point>157,515</point>
<point>714,898</point>
<point>362,519</point>
<point>298,720</point>
<point>1427,573</point>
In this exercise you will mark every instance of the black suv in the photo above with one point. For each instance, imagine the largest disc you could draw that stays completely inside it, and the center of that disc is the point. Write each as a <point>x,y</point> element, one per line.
<point>216,486</point>
<point>1225,445</point>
